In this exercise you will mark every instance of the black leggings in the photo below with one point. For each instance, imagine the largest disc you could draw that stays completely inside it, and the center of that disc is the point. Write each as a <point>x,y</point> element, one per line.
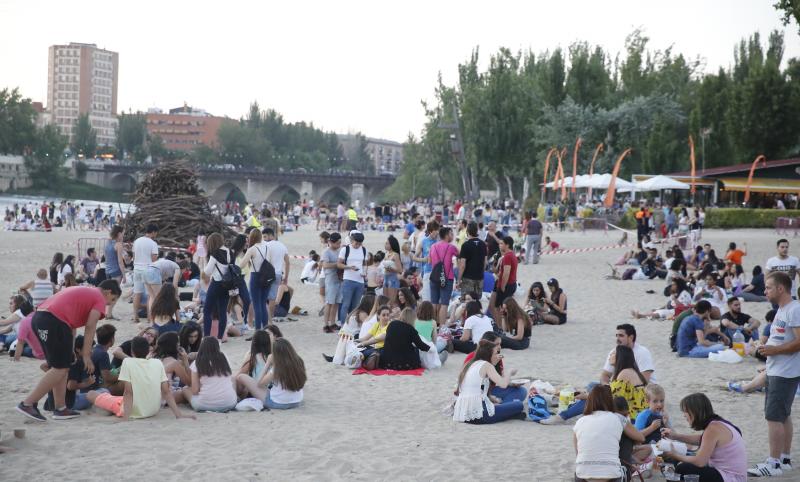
<point>707,474</point>
<point>513,344</point>
<point>464,346</point>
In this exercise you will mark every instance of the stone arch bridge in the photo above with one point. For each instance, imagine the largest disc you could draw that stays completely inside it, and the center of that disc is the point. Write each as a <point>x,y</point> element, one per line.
<point>255,186</point>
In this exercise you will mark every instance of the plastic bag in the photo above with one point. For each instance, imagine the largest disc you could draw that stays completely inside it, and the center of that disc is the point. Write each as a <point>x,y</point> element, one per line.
<point>543,387</point>
<point>725,356</point>
<point>430,359</point>
<point>353,358</point>
<point>344,345</point>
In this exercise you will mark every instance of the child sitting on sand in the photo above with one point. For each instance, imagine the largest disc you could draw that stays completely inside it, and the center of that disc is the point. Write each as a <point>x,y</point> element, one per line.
<point>280,387</point>
<point>257,361</point>
<point>213,387</point>
<point>145,385</point>
<point>653,418</point>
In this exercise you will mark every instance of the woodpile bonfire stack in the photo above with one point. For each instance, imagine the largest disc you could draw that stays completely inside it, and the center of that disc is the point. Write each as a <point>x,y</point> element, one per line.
<point>170,198</point>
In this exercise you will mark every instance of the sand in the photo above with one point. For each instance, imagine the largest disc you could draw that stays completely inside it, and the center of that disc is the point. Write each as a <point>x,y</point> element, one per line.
<point>364,427</point>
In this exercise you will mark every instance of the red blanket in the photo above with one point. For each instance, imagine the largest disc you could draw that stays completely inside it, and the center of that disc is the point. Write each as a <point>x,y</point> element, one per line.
<point>417,373</point>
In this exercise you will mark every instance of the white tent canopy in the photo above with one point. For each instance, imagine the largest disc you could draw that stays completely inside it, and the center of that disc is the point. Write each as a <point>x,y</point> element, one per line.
<point>595,181</point>
<point>658,183</point>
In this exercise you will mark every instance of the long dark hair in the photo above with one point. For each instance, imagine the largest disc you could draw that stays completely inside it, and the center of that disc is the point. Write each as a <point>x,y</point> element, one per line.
<point>699,407</point>
<point>69,260</point>
<point>536,284</point>
<point>239,242</point>
<point>484,352</point>
<point>288,368</point>
<point>210,361</point>
<point>166,301</point>
<point>22,304</point>
<point>626,359</point>
<point>58,258</point>
<point>188,328</point>
<point>167,346</point>
<point>394,244</point>
<point>411,301</point>
<point>513,314</point>
<point>261,345</point>
<point>599,399</point>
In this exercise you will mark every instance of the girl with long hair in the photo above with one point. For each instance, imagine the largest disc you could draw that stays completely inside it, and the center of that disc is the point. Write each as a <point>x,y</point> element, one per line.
<point>400,349</point>
<point>516,324</point>
<point>190,337</point>
<point>353,326</point>
<point>238,247</point>
<point>405,299</point>
<point>627,381</point>
<point>176,362</point>
<point>213,386</point>
<point>281,387</point>
<point>19,307</point>
<point>557,304</point>
<point>535,305</point>
<point>257,361</point>
<point>392,267</point>
<point>65,268</point>
<point>256,255</point>
<point>114,253</point>
<point>55,265</point>
<point>166,309</point>
<point>217,296</point>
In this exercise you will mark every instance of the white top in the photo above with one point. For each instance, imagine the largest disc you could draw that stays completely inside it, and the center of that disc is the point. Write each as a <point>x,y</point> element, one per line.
<point>644,360</point>
<point>351,327</point>
<point>479,324</point>
<point>278,394</point>
<point>257,253</point>
<point>786,319</point>
<point>215,392</point>
<point>309,272</point>
<point>215,269</point>
<point>355,258</point>
<point>598,437</point>
<point>366,326</point>
<point>65,269</point>
<point>472,394</point>
<point>277,251</point>
<point>143,250</point>
<point>718,297</point>
<point>790,266</point>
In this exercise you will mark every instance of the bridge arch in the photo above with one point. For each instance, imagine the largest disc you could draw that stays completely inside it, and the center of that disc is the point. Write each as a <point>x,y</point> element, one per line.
<point>228,192</point>
<point>124,183</point>
<point>284,193</point>
<point>333,195</point>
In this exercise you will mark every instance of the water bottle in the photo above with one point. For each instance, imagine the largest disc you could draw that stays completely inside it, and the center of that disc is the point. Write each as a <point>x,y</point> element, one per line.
<point>738,343</point>
<point>565,398</point>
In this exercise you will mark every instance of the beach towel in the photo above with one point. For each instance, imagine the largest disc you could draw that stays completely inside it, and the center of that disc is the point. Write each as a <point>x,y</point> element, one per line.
<point>378,372</point>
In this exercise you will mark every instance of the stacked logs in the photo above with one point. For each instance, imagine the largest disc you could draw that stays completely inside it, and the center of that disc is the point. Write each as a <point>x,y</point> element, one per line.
<point>171,198</point>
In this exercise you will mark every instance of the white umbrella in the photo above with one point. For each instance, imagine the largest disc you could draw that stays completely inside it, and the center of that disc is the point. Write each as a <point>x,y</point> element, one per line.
<point>601,181</point>
<point>658,183</point>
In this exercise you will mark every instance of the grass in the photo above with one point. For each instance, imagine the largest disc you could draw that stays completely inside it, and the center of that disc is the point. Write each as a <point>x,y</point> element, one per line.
<point>72,189</point>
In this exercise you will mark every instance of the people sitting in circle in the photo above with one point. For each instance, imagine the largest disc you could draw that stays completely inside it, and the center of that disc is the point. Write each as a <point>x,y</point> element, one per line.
<point>402,344</point>
<point>281,386</point>
<point>475,325</point>
<point>556,304</point>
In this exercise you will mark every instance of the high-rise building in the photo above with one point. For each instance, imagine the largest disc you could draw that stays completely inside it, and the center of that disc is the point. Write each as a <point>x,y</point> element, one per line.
<point>82,79</point>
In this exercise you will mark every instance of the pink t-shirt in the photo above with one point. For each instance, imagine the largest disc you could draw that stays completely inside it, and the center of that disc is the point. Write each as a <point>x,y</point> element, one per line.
<point>73,305</point>
<point>25,332</point>
<point>444,252</point>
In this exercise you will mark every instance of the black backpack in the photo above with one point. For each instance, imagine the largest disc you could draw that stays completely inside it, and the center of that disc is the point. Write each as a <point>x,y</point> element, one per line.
<point>266,273</point>
<point>233,278</point>
<point>437,273</point>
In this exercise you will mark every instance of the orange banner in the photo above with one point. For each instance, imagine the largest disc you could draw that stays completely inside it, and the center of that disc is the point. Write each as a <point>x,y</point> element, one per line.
<point>575,162</point>
<point>562,184</point>
<point>612,186</point>
<point>760,158</point>
<point>547,171</point>
<point>597,151</point>
<point>691,158</point>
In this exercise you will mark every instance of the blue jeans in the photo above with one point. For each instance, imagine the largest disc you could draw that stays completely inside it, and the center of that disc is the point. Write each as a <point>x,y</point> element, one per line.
<point>279,406</point>
<point>510,394</point>
<point>577,408</point>
<point>81,402</point>
<point>752,336</point>
<point>503,411</point>
<point>244,295</point>
<point>701,351</point>
<point>259,293</point>
<point>216,300</point>
<point>351,297</point>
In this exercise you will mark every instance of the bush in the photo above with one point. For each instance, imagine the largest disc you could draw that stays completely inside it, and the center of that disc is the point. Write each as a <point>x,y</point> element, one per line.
<point>80,170</point>
<point>730,218</point>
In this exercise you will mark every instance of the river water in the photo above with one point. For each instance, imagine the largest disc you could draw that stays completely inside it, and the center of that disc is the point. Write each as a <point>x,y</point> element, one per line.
<point>35,201</point>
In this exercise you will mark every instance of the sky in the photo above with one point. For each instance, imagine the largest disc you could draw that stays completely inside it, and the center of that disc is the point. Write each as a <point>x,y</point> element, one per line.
<point>346,66</point>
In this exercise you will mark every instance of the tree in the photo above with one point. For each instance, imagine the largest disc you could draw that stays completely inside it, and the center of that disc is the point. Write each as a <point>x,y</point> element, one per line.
<point>157,149</point>
<point>85,140</point>
<point>131,136</point>
<point>17,122</point>
<point>45,162</point>
<point>790,9</point>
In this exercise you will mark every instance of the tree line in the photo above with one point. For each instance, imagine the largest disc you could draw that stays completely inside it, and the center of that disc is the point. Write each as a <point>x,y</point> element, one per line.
<point>510,114</point>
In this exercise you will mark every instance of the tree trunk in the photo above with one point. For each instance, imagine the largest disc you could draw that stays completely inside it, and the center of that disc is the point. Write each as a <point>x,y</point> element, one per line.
<point>497,187</point>
<point>526,188</point>
<point>510,187</point>
<point>475,192</point>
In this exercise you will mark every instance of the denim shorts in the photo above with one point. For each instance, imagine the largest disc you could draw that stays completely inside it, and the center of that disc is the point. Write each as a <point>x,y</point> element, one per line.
<point>439,295</point>
<point>391,280</point>
<point>138,280</point>
<point>152,275</point>
<point>780,395</point>
<point>279,406</point>
<point>273,288</point>
<point>333,291</point>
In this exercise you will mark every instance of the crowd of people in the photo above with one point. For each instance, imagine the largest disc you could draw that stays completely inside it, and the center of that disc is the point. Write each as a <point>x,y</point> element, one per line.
<point>431,291</point>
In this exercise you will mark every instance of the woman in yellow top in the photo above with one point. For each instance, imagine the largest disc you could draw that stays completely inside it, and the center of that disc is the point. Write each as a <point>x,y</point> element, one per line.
<point>373,343</point>
<point>628,382</point>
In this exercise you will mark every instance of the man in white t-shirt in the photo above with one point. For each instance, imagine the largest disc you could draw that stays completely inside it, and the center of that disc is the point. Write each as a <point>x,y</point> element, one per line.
<point>352,259</point>
<point>278,257</point>
<point>475,325</point>
<point>784,263</point>
<point>145,251</point>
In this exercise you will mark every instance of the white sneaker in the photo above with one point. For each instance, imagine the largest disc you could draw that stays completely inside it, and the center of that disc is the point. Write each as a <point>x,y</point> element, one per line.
<point>764,470</point>
<point>786,465</point>
<point>553,420</point>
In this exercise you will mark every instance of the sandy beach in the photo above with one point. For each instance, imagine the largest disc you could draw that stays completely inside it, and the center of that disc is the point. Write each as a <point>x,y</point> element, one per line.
<point>377,428</point>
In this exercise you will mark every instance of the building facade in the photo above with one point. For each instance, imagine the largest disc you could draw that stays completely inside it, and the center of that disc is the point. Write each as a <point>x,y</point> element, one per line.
<point>184,128</point>
<point>385,156</point>
<point>82,79</point>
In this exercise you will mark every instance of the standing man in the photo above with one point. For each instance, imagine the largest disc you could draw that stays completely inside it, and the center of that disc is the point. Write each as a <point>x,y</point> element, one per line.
<point>533,239</point>
<point>471,262</point>
<point>785,264</point>
<point>54,324</point>
<point>444,252</point>
<point>278,257</point>
<point>333,284</point>
<point>352,219</point>
<point>422,255</point>
<point>352,259</point>
<point>783,374</point>
<point>145,251</point>
<point>271,223</point>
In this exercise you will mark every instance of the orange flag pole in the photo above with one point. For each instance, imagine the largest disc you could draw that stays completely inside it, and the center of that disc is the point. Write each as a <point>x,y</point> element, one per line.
<point>547,171</point>
<point>597,150</point>
<point>562,181</point>
<point>691,158</point>
<point>612,186</point>
<point>575,162</point>
<point>760,158</point>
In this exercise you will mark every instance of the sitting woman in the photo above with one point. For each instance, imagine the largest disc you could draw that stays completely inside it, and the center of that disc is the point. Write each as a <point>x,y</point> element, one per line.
<point>536,304</point>
<point>721,456</point>
<point>516,325</point>
<point>557,304</point>
<point>257,361</point>
<point>213,387</point>
<point>679,300</point>
<point>754,291</point>
<point>406,299</point>
<point>281,387</point>
<point>355,325</point>
<point>372,317</point>
<point>123,351</point>
<point>374,341</point>
<point>400,349</point>
<point>596,437</point>
<point>190,336</point>
<point>166,310</point>
<point>714,295</point>
<point>175,361</point>
<point>472,403</point>
<point>427,329</point>
<point>9,327</point>
<point>627,381</point>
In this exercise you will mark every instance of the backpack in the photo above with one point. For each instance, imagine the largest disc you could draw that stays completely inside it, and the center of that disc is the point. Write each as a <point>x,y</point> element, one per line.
<point>232,279</point>
<point>537,409</point>
<point>438,274</point>
<point>347,253</point>
<point>266,273</point>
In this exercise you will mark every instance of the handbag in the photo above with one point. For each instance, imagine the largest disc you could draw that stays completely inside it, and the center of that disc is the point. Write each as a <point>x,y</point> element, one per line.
<point>343,347</point>
<point>430,359</point>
